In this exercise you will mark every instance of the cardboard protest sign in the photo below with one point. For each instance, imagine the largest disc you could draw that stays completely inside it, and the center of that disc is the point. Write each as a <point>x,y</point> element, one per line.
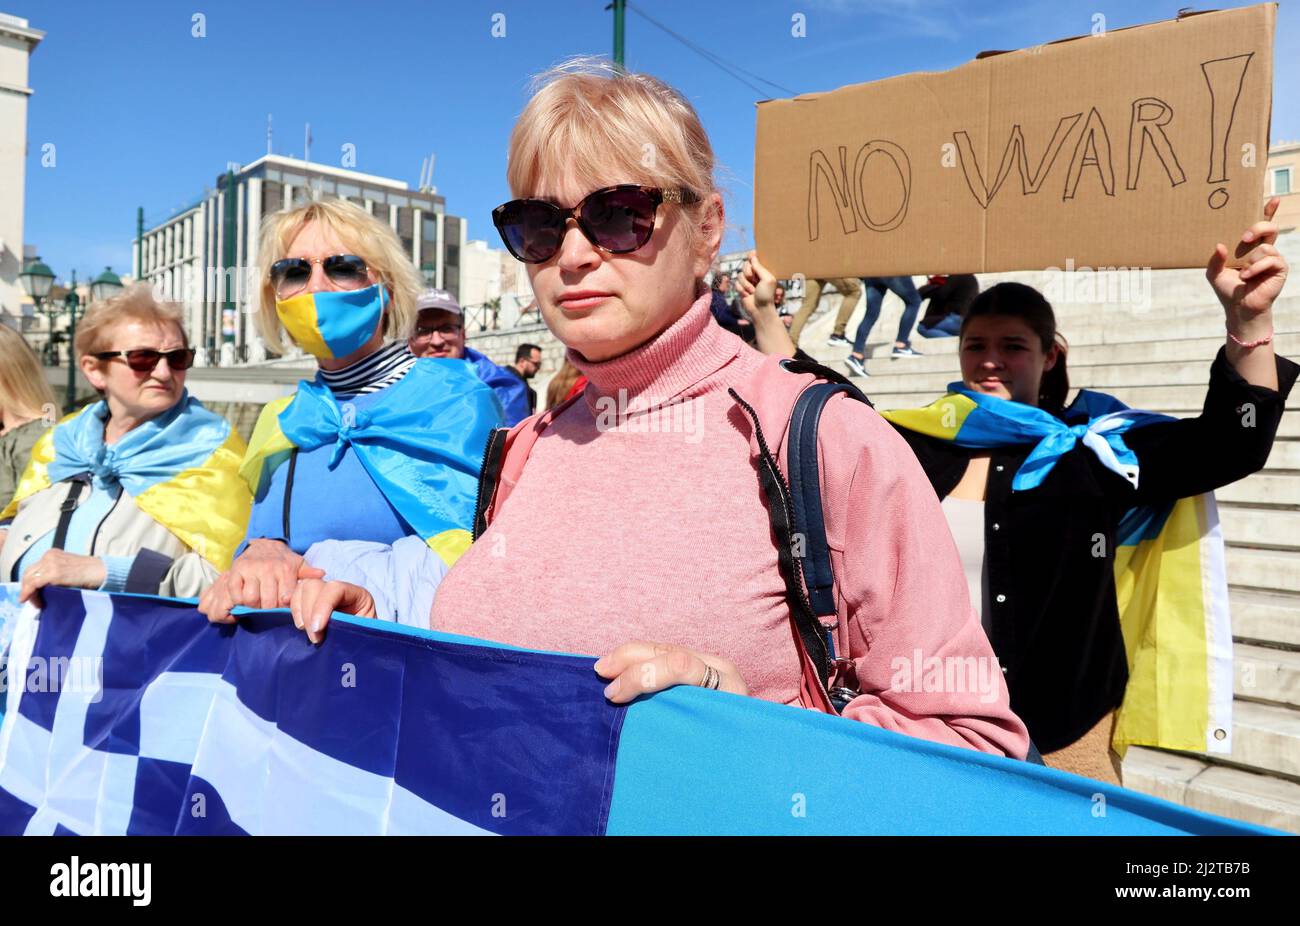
<point>1137,147</point>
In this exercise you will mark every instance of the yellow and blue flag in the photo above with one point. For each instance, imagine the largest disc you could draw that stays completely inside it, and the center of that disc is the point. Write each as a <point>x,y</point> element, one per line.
<point>180,468</point>
<point>1170,580</point>
<point>422,445</point>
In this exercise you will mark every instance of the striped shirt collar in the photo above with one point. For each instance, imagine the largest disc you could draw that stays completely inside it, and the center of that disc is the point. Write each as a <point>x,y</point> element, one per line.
<point>370,374</point>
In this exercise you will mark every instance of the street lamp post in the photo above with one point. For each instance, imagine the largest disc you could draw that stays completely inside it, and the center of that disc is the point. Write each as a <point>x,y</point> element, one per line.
<point>102,287</point>
<point>38,281</point>
<point>71,302</point>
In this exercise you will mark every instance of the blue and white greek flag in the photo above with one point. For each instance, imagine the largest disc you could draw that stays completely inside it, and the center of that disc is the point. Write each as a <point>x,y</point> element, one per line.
<point>133,715</point>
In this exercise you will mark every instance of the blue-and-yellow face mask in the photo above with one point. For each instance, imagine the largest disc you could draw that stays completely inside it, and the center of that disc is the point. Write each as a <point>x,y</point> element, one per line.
<point>334,323</point>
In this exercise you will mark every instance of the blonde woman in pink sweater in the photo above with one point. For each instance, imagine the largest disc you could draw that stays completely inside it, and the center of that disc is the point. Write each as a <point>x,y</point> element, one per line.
<point>630,522</point>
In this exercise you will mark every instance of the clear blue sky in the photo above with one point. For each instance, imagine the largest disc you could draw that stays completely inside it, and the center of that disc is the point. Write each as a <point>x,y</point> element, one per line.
<point>144,114</point>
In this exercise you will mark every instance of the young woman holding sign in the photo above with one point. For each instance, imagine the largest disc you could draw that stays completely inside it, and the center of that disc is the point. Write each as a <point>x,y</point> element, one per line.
<point>1045,499</point>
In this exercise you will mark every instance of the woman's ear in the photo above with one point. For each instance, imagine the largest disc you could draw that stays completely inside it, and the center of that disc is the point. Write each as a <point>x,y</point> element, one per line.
<point>93,371</point>
<point>713,222</point>
<point>1053,355</point>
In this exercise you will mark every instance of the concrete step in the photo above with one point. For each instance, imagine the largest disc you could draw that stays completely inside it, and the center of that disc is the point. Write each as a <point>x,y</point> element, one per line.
<point>1261,527</point>
<point>1195,314</point>
<point>940,354</point>
<point>1289,426</point>
<point>1264,488</point>
<point>901,376</point>
<point>1269,617</point>
<point>1264,569</point>
<point>1155,398</point>
<point>1261,673</point>
<point>1229,792</point>
<point>1285,455</point>
<point>1266,737</point>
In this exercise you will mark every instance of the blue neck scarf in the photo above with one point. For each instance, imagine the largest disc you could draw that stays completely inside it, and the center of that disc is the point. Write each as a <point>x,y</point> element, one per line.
<point>180,438</point>
<point>997,422</point>
<point>421,440</point>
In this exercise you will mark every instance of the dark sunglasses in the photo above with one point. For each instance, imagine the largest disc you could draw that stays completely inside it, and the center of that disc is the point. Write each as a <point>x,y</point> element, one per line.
<point>144,359</point>
<point>290,276</point>
<point>618,219</point>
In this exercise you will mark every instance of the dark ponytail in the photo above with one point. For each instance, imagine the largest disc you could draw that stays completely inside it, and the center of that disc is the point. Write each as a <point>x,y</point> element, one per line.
<point>1016,300</point>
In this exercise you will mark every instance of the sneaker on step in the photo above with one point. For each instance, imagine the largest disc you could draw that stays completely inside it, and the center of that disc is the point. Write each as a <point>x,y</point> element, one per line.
<point>856,366</point>
<point>837,339</point>
<point>905,352</point>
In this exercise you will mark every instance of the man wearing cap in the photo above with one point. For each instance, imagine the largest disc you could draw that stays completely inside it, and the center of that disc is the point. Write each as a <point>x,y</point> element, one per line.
<point>440,332</point>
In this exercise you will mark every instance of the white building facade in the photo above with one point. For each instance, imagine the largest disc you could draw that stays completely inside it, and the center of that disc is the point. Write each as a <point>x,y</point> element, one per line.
<point>489,274</point>
<point>17,41</point>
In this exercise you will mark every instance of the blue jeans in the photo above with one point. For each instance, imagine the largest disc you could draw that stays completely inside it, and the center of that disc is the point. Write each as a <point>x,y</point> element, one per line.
<point>905,289</point>
<point>948,327</point>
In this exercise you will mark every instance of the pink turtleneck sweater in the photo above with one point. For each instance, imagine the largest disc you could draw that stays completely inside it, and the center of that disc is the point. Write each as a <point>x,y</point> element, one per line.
<point>616,533</point>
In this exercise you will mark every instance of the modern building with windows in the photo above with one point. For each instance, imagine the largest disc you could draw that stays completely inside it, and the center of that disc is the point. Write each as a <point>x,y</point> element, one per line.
<point>205,255</point>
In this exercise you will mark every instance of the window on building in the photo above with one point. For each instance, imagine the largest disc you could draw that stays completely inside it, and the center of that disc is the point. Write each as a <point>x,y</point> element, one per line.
<point>398,200</point>
<point>376,195</point>
<point>430,235</point>
<point>295,179</point>
<point>1282,181</point>
<point>272,197</point>
<point>349,191</point>
<point>271,174</point>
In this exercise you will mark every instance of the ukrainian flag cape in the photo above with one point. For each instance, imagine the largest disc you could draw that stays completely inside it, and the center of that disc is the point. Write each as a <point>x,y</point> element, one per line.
<point>1169,563</point>
<point>422,444</point>
<point>180,468</point>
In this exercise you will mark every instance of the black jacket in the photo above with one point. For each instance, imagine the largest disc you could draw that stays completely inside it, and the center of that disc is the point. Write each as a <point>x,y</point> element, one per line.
<point>1055,622</point>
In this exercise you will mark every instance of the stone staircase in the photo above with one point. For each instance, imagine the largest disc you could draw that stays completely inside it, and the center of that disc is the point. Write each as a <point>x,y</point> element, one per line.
<point>1157,357</point>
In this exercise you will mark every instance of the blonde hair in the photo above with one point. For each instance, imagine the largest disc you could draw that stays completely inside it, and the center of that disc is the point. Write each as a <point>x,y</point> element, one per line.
<point>136,303</point>
<point>605,125</point>
<point>24,393</point>
<point>363,235</point>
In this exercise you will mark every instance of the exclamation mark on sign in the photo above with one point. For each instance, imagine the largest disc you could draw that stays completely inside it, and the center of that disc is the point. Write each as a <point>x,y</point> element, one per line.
<point>1224,77</point>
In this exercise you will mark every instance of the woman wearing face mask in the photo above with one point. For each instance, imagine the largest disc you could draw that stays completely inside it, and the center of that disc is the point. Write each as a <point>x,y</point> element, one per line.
<point>668,569</point>
<point>1044,499</point>
<point>139,492</point>
<point>378,447</point>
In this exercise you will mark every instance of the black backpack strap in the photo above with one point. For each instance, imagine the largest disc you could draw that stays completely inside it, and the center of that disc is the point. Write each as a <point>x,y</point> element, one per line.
<point>806,494</point>
<point>779,509</point>
<point>66,511</point>
<point>826,373</point>
<point>809,521</point>
<point>288,493</point>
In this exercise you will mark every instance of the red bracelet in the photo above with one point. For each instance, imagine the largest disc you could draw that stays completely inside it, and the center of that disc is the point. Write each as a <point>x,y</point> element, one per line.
<point>1240,343</point>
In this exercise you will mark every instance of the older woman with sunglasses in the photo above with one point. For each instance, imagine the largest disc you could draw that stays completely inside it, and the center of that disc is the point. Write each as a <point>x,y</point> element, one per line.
<point>668,567</point>
<point>139,492</point>
<point>378,446</point>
